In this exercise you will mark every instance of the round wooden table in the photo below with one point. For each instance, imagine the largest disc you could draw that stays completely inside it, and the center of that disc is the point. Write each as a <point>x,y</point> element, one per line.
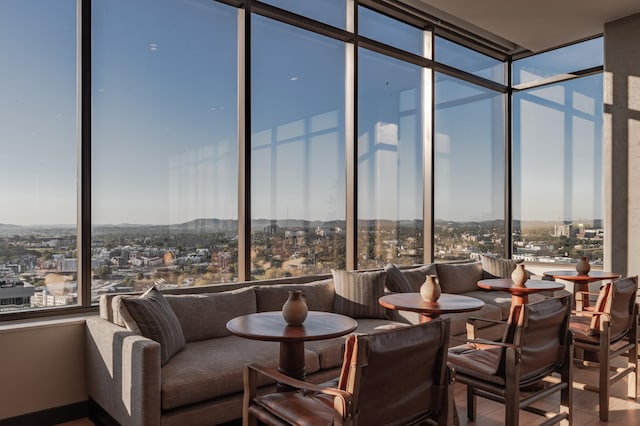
<point>271,326</point>
<point>581,281</point>
<point>519,294</point>
<point>446,303</point>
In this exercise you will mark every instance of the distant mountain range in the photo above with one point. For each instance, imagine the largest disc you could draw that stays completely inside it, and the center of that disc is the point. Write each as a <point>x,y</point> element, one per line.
<point>231,225</point>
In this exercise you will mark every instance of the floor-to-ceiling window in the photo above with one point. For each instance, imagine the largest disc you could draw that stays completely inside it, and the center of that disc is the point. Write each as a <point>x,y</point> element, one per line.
<point>164,144</point>
<point>469,157</point>
<point>557,155</point>
<point>362,146</point>
<point>38,165</point>
<point>297,151</point>
<point>390,146</point>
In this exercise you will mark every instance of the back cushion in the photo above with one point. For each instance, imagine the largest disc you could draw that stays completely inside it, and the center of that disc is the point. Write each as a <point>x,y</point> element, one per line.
<point>408,280</point>
<point>204,316</point>
<point>357,293</point>
<point>459,278</point>
<point>494,267</point>
<point>319,295</point>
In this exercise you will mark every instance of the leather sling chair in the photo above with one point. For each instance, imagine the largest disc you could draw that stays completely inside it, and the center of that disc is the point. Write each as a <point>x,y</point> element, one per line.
<point>533,360</point>
<point>389,377</point>
<point>609,329</point>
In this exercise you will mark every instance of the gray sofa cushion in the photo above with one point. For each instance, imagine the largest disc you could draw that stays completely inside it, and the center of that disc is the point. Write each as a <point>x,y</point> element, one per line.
<point>156,320</point>
<point>204,316</point>
<point>319,295</point>
<point>501,300</point>
<point>357,293</point>
<point>408,280</point>
<point>212,369</point>
<point>457,278</point>
<point>494,267</point>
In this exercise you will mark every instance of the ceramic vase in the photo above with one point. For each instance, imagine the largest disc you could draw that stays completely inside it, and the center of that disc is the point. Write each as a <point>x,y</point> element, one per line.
<point>294,310</point>
<point>583,267</point>
<point>519,275</point>
<point>430,289</point>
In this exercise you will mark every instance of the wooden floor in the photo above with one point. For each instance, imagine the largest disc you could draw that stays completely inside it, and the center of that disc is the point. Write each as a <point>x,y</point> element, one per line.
<point>623,411</point>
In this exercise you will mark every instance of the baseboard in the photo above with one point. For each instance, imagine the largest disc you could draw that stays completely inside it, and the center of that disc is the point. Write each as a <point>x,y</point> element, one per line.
<point>51,416</point>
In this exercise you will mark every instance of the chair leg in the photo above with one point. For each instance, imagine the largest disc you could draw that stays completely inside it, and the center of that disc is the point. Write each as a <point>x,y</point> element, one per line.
<point>471,403</point>
<point>632,379</point>
<point>604,384</point>
<point>566,394</point>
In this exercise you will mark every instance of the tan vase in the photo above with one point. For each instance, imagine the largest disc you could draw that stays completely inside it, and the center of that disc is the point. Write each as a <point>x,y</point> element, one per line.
<point>294,310</point>
<point>430,290</point>
<point>583,267</point>
<point>519,275</point>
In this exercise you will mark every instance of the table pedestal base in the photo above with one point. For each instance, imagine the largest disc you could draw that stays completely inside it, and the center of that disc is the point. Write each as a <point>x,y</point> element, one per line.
<point>291,362</point>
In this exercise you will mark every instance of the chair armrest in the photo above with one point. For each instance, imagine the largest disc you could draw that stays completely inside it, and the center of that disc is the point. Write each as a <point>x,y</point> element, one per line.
<point>591,314</point>
<point>472,320</point>
<point>485,342</point>
<point>123,372</point>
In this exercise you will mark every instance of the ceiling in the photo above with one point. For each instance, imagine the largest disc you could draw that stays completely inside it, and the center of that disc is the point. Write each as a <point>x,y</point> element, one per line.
<point>533,25</point>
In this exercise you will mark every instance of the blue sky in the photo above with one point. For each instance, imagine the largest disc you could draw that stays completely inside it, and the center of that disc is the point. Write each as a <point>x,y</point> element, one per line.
<point>164,122</point>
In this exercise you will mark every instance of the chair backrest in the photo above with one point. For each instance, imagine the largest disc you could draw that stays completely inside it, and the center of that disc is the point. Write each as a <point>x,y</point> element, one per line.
<point>396,375</point>
<point>541,330</point>
<point>616,298</point>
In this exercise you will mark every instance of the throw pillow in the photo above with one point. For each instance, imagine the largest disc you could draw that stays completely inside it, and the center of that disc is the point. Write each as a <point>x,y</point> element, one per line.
<point>396,281</point>
<point>494,267</point>
<point>417,276</point>
<point>156,320</point>
<point>357,293</point>
<point>459,278</point>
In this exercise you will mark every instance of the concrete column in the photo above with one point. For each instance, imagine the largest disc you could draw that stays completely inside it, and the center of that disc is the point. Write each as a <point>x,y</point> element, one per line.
<point>622,145</point>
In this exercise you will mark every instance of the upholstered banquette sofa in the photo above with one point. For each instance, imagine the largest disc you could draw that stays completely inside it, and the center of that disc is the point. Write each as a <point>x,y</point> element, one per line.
<point>166,358</point>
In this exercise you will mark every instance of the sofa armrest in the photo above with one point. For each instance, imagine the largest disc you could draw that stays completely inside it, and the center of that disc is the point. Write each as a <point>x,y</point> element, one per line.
<point>123,373</point>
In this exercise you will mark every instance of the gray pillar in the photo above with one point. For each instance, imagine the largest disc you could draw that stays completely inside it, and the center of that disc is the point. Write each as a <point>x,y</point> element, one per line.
<point>622,145</point>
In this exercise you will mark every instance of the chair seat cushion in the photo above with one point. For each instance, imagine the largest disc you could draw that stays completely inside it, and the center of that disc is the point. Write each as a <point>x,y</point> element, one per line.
<point>212,368</point>
<point>481,363</point>
<point>302,409</point>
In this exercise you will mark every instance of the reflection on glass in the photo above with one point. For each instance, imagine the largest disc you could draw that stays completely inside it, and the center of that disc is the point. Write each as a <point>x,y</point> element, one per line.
<point>469,172</point>
<point>468,60</point>
<point>332,12</point>
<point>297,152</point>
<point>38,261</point>
<point>556,62</point>
<point>382,28</point>
<point>557,208</point>
<point>164,169</point>
<point>390,189</point>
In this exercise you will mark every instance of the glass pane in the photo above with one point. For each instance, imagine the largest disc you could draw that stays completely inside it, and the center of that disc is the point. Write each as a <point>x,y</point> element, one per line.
<point>468,60</point>
<point>469,172</point>
<point>38,165</point>
<point>164,182</point>
<point>557,172</point>
<point>382,28</point>
<point>390,189</point>
<point>565,60</point>
<point>297,152</point>
<point>332,12</point>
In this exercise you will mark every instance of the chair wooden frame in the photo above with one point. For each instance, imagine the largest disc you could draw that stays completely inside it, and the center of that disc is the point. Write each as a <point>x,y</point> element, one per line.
<point>346,402</point>
<point>607,348</point>
<point>516,393</point>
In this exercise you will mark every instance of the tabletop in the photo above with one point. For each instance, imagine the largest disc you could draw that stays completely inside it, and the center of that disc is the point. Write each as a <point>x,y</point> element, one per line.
<point>271,326</point>
<point>573,275</point>
<point>446,303</point>
<point>530,286</point>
